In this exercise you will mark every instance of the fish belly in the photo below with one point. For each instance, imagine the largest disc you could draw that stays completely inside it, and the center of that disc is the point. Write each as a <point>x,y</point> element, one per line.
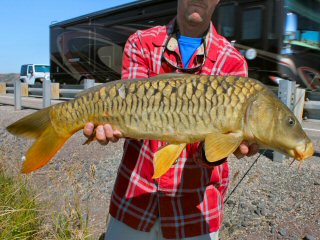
<point>174,108</point>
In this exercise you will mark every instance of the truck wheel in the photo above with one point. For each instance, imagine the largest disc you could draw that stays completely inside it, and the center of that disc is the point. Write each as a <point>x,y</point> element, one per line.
<point>38,83</point>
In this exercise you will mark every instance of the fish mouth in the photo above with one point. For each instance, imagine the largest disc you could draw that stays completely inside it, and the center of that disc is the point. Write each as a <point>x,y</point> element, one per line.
<point>303,152</point>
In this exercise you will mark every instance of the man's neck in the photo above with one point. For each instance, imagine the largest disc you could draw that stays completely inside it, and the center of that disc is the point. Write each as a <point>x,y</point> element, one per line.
<point>192,30</point>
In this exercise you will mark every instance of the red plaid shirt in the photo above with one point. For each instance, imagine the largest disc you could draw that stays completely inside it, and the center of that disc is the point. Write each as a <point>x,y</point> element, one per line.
<point>188,199</point>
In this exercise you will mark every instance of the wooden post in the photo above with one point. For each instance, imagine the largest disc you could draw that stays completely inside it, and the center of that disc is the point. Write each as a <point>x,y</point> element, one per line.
<point>55,90</point>
<point>3,88</point>
<point>46,93</point>
<point>24,90</point>
<point>17,95</point>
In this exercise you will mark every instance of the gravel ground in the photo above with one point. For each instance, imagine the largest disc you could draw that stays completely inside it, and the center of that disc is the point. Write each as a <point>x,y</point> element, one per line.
<point>274,201</point>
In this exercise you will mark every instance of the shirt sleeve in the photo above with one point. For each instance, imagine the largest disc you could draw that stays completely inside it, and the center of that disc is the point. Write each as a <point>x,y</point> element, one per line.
<point>240,68</point>
<point>134,61</point>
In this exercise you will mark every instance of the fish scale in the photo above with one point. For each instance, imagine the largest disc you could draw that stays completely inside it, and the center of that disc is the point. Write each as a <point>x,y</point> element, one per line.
<point>151,109</point>
<point>222,111</point>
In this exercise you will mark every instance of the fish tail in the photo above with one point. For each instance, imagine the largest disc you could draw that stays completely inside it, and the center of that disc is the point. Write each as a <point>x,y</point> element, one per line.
<point>39,126</point>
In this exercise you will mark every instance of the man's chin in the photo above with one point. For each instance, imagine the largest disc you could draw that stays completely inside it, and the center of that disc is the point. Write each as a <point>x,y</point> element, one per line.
<point>195,18</point>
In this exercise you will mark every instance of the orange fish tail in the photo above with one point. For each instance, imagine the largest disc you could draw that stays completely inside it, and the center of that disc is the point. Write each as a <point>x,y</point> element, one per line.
<point>38,125</point>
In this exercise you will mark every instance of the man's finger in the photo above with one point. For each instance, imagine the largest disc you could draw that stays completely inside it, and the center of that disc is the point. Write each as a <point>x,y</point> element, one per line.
<point>242,150</point>
<point>109,133</point>
<point>101,136</point>
<point>253,149</point>
<point>117,134</point>
<point>88,130</point>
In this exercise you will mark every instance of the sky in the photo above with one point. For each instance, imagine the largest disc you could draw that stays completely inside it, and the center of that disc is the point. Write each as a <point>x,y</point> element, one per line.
<point>24,27</point>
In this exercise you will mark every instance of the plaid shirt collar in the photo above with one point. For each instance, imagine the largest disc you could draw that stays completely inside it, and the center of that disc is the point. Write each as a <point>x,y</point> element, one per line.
<point>172,44</point>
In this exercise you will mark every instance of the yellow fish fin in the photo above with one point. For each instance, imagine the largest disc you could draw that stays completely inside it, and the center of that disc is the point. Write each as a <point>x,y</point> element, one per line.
<point>165,157</point>
<point>31,126</point>
<point>38,125</point>
<point>43,149</point>
<point>221,145</point>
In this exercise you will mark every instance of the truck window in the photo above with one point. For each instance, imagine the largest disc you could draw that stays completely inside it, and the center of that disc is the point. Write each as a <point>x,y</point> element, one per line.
<point>42,68</point>
<point>23,71</point>
<point>30,70</point>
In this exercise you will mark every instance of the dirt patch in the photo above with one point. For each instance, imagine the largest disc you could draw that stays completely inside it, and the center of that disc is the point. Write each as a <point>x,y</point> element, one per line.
<point>274,201</point>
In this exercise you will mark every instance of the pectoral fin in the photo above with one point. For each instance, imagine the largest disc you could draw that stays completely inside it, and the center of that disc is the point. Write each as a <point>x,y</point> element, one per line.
<point>221,145</point>
<point>165,157</point>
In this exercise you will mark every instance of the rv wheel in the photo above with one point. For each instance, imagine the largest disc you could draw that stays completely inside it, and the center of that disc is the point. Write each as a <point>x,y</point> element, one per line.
<point>81,81</point>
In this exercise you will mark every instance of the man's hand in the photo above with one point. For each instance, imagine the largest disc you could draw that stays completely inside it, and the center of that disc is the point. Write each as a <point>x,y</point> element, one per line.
<point>246,150</point>
<point>103,133</point>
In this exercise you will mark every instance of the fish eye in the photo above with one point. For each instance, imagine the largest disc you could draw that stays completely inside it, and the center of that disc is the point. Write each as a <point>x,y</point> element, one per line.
<point>291,121</point>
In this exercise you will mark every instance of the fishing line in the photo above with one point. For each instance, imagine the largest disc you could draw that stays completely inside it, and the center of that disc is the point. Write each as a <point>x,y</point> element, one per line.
<point>255,161</point>
<point>235,188</point>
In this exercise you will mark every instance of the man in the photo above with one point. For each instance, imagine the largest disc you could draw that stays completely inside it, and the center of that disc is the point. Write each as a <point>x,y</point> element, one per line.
<point>187,201</point>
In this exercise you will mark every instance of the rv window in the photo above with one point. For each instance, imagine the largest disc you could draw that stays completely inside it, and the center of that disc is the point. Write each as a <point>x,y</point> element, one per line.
<point>251,23</point>
<point>226,20</point>
<point>79,46</point>
<point>302,25</point>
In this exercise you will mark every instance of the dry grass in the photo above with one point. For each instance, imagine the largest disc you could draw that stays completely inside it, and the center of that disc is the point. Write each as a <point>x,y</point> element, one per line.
<point>25,215</point>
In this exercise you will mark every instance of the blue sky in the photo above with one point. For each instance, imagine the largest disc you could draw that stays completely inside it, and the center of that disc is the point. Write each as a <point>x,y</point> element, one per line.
<point>24,27</point>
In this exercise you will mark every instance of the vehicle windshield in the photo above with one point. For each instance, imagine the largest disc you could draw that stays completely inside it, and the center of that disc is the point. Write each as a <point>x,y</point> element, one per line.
<point>302,26</point>
<point>42,68</point>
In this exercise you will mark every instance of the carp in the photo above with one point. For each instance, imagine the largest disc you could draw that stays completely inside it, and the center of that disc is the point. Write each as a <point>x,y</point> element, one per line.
<point>179,109</point>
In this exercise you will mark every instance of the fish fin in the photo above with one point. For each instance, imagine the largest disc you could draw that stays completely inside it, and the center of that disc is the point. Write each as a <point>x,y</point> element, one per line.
<point>221,145</point>
<point>43,149</point>
<point>38,125</point>
<point>164,158</point>
<point>31,126</point>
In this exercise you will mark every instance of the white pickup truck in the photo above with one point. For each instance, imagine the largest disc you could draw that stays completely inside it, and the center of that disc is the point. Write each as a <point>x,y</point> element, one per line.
<point>34,73</point>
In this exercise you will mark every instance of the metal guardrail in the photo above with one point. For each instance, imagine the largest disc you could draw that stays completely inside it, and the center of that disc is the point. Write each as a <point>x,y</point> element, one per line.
<point>50,93</point>
<point>311,106</point>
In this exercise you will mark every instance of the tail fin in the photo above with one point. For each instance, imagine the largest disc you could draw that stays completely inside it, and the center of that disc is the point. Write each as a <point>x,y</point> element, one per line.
<point>48,142</point>
<point>31,126</point>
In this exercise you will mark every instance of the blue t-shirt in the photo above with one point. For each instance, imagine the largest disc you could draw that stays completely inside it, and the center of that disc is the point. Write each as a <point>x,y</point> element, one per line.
<point>187,47</point>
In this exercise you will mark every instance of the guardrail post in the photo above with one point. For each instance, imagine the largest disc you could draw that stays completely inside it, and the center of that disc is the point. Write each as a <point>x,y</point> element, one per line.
<point>299,103</point>
<point>286,94</point>
<point>17,95</point>
<point>46,84</point>
<point>88,83</point>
